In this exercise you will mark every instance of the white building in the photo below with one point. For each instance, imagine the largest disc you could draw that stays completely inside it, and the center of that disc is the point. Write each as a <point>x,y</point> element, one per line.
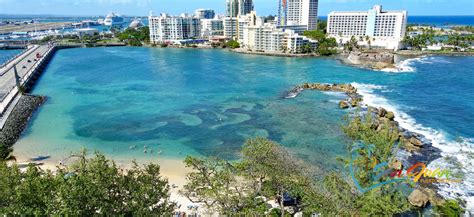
<point>86,31</point>
<point>384,28</point>
<point>268,38</point>
<point>211,27</point>
<point>204,13</point>
<point>234,26</point>
<point>235,8</point>
<point>166,28</point>
<point>298,12</point>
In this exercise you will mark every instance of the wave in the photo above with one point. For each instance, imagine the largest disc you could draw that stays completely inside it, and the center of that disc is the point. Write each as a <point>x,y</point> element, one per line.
<point>457,155</point>
<point>407,64</point>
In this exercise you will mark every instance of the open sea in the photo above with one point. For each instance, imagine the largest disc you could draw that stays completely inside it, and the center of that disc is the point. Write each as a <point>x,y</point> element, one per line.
<point>180,102</point>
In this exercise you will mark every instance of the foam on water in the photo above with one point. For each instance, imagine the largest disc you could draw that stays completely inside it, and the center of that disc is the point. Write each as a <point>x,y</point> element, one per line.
<point>457,155</point>
<point>407,64</point>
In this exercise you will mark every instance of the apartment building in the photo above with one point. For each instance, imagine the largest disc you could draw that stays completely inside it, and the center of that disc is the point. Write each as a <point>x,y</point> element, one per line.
<point>234,26</point>
<point>165,28</point>
<point>269,38</point>
<point>211,27</point>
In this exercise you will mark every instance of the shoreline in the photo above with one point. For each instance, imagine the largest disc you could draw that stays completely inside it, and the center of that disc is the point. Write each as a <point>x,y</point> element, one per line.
<point>275,54</point>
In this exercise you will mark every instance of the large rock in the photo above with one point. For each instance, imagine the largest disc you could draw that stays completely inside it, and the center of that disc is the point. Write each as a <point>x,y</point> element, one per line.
<point>421,198</point>
<point>382,112</point>
<point>390,116</point>
<point>416,142</point>
<point>343,104</point>
<point>418,198</point>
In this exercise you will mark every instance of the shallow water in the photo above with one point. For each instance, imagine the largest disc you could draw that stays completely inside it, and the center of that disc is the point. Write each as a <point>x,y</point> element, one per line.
<point>207,102</point>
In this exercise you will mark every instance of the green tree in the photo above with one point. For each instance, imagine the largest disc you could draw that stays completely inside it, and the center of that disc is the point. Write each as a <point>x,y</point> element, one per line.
<point>215,183</point>
<point>6,153</point>
<point>88,187</point>
<point>232,44</point>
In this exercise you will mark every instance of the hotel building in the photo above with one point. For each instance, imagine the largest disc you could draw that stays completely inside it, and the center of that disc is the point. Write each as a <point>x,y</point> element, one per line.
<point>298,12</point>
<point>385,29</point>
<point>166,28</point>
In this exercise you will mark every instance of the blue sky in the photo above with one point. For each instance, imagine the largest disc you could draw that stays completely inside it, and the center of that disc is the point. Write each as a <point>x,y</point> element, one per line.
<point>263,7</point>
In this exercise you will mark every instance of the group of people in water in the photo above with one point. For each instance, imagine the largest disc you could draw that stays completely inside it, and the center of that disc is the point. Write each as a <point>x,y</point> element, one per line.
<point>145,149</point>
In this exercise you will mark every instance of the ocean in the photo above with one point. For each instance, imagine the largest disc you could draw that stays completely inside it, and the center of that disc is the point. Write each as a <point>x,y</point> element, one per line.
<point>180,102</point>
<point>427,20</point>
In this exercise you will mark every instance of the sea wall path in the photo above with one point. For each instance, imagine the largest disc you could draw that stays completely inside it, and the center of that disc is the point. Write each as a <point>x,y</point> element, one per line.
<point>19,75</point>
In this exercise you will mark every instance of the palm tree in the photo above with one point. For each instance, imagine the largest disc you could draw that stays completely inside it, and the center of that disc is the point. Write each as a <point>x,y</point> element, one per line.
<point>368,39</point>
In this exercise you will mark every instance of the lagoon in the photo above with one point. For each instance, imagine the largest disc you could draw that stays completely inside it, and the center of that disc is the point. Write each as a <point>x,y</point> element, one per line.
<point>199,102</point>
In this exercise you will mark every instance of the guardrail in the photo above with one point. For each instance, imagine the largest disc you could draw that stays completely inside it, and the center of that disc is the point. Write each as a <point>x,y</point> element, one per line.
<point>13,91</point>
<point>4,68</point>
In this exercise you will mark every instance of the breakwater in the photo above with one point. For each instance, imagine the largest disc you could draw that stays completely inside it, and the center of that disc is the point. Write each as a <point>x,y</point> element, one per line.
<point>20,76</point>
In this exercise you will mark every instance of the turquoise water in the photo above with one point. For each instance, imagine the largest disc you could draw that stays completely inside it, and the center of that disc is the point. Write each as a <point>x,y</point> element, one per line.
<point>182,102</point>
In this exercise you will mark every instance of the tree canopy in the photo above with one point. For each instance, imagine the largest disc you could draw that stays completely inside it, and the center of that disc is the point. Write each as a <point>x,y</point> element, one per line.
<point>90,186</point>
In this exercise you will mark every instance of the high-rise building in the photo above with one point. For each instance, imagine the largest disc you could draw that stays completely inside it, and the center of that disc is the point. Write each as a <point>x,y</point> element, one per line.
<point>235,8</point>
<point>204,13</point>
<point>298,12</point>
<point>234,26</point>
<point>166,28</point>
<point>383,28</point>
<point>212,27</point>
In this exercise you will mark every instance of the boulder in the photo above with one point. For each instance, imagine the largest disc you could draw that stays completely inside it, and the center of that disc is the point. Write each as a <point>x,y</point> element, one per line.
<point>390,116</point>
<point>418,198</point>
<point>433,197</point>
<point>382,112</point>
<point>354,103</point>
<point>421,197</point>
<point>343,104</point>
<point>416,142</point>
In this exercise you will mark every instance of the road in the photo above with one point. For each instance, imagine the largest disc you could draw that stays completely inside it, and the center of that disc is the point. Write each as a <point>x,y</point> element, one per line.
<point>23,63</point>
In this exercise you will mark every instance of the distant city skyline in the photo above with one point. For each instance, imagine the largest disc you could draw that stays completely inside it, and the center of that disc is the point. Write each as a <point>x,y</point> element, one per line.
<point>263,7</point>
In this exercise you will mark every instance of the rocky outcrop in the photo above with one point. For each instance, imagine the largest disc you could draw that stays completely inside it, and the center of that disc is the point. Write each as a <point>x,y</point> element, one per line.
<point>374,60</point>
<point>353,100</point>
<point>384,119</point>
<point>423,197</point>
<point>418,198</point>
<point>18,119</point>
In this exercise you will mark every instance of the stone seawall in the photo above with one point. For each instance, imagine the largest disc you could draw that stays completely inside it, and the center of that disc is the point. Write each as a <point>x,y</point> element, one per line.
<point>374,60</point>
<point>19,118</point>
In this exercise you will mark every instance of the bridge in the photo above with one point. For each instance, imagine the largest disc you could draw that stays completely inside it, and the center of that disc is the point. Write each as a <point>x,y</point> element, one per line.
<point>17,74</point>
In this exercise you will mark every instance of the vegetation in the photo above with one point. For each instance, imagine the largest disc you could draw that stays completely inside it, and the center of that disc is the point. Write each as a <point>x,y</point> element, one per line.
<point>267,171</point>
<point>232,44</point>
<point>463,28</point>
<point>463,41</point>
<point>352,44</point>
<point>135,37</point>
<point>419,41</point>
<point>322,26</point>
<point>326,45</point>
<point>5,153</point>
<point>449,208</point>
<point>91,186</point>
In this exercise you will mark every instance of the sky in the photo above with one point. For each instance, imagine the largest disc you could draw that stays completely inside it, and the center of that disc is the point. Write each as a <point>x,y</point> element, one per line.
<point>263,7</point>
